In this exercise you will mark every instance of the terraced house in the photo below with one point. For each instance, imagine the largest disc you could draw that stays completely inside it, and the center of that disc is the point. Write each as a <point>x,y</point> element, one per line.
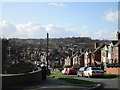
<point>102,55</point>
<point>117,52</point>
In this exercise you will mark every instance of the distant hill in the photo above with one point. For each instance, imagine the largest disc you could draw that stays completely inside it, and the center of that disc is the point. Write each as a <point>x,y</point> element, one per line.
<point>58,43</point>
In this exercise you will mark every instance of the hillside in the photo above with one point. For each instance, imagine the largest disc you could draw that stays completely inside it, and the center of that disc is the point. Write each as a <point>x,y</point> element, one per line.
<point>58,43</point>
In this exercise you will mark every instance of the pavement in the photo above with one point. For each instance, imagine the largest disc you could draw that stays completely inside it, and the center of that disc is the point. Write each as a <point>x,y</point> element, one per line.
<point>53,84</point>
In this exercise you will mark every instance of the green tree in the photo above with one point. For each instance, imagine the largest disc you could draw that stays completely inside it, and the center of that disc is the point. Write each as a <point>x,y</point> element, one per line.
<point>4,55</point>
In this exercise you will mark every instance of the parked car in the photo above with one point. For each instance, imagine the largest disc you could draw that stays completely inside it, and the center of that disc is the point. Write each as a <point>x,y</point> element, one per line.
<point>64,71</point>
<point>93,71</point>
<point>71,71</point>
<point>80,71</point>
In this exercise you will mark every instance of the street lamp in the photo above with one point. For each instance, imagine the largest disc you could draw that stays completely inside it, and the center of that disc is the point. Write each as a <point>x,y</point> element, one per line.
<point>47,49</point>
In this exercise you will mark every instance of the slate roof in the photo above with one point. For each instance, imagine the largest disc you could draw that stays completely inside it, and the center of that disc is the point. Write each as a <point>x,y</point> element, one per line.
<point>117,44</point>
<point>114,42</point>
<point>97,49</point>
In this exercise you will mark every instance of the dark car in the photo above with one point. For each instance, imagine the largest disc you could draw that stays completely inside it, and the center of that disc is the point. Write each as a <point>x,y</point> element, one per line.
<point>80,71</point>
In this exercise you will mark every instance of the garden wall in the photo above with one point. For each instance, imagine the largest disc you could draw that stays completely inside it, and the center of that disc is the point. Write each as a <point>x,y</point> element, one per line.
<point>113,70</point>
<point>20,79</point>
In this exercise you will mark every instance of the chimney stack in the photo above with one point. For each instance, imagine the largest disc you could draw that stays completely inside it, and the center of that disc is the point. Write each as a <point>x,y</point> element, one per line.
<point>118,35</point>
<point>96,45</point>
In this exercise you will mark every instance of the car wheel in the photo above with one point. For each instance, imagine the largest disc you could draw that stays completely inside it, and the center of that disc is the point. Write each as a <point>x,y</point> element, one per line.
<point>78,75</point>
<point>82,75</point>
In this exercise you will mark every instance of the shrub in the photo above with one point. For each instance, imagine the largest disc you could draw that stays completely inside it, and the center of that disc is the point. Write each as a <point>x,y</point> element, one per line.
<point>21,67</point>
<point>113,65</point>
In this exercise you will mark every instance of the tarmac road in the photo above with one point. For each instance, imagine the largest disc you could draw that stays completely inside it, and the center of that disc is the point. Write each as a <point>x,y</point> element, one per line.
<point>108,83</point>
<point>51,84</point>
<point>55,84</point>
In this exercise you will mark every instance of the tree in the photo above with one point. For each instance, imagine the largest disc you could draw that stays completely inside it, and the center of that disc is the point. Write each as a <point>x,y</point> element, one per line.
<point>55,52</point>
<point>4,55</point>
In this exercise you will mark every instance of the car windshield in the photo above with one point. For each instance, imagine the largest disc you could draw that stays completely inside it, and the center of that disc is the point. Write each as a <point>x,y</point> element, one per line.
<point>95,68</point>
<point>71,68</point>
<point>81,68</point>
<point>65,69</point>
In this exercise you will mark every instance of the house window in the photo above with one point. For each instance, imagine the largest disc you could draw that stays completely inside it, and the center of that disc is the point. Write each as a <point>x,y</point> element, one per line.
<point>112,49</point>
<point>103,54</point>
<point>106,53</point>
<point>75,60</point>
<point>116,53</point>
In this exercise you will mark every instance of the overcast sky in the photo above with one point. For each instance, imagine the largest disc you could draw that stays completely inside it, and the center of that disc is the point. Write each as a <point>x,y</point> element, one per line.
<point>98,20</point>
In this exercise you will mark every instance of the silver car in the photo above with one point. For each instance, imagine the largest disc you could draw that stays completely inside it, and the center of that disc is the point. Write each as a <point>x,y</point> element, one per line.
<point>80,71</point>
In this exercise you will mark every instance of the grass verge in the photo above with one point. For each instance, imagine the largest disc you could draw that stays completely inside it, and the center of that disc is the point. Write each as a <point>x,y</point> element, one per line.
<point>55,72</point>
<point>111,75</point>
<point>73,80</point>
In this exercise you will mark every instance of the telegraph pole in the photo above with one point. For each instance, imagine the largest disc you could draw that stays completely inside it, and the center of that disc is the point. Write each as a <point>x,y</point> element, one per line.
<point>47,49</point>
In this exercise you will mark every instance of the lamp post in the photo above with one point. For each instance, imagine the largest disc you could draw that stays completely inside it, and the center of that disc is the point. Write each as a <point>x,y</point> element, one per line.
<point>47,49</point>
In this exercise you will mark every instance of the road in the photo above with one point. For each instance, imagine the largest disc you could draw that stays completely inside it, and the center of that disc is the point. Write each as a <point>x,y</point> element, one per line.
<point>50,84</point>
<point>112,83</point>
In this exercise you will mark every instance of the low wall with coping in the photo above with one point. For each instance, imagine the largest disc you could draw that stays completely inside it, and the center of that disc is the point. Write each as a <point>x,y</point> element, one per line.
<point>113,70</point>
<point>20,79</point>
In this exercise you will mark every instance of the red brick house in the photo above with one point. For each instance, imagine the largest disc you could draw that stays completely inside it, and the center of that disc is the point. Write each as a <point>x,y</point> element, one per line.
<point>81,59</point>
<point>76,60</point>
<point>111,51</point>
<point>96,56</point>
<point>104,56</point>
<point>68,61</point>
<point>117,53</point>
<point>87,58</point>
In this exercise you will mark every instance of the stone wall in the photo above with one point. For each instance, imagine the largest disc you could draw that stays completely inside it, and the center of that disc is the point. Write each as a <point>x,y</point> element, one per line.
<point>20,79</point>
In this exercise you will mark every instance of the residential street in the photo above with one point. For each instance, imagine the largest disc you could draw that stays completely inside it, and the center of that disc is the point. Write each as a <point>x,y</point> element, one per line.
<point>43,43</point>
<point>112,83</point>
